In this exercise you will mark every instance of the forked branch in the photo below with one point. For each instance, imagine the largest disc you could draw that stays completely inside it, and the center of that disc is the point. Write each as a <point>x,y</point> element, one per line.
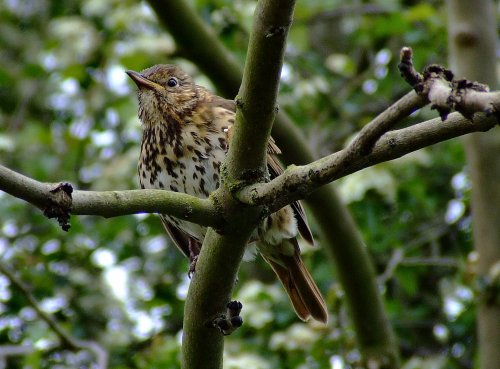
<point>478,110</point>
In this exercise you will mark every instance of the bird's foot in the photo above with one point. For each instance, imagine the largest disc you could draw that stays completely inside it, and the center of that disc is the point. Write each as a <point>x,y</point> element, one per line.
<point>194,251</point>
<point>192,265</point>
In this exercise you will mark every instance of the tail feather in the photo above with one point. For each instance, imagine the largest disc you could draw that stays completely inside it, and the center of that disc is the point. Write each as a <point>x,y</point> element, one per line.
<point>286,280</point>
<point>300,287</point>
<point>308,290</point>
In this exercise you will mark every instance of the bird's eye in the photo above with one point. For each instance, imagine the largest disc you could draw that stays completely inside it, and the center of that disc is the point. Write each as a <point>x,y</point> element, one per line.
<point>172,82</point>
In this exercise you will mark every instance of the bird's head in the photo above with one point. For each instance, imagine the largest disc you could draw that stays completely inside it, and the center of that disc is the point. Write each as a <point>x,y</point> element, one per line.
<point>165,92</point>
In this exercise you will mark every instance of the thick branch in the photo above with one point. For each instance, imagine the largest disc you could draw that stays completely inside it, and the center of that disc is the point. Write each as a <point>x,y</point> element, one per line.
<point>211,288</point>
<point>297,182</point>
<point>256,100</point>
<point>116,203</point>
<point>341,237</point>
<point>435,86</point>
<point>221,255</point>
<point>112,203</point>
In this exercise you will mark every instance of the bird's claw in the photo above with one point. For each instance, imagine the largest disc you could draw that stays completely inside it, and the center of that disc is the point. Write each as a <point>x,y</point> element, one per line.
<point>192,265</point>
<point>194,251</point>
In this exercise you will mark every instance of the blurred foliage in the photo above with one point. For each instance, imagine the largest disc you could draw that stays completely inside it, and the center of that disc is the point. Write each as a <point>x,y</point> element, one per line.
<point>68,112</point>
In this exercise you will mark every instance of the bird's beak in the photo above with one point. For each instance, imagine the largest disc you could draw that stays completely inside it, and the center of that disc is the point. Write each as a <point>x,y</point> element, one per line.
<point>143,82</point>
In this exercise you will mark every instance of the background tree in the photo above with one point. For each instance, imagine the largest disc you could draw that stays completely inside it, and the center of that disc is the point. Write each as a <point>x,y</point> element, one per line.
<point>64,64</point>
<point>473,37</point>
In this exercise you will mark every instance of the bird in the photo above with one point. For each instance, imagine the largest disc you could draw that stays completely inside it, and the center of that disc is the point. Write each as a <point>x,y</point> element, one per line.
<point>186,133</point>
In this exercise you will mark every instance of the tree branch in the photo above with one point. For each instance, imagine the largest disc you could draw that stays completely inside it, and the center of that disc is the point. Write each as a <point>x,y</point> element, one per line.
<point>340,236</point>
<point>111,203</point>
<point>221,254</point>
<point>445,94</point>
<point>256,100</point>
<point>66,339</point>
<point>209,292</point>
<point>297,182</point>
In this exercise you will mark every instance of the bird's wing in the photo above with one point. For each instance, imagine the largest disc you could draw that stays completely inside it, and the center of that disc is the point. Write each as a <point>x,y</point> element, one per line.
<point>180,238</point>
<point>274,167</point>
<point>220,102</point>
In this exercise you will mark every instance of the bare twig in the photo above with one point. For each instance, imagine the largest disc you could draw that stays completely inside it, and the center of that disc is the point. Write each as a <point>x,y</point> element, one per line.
<point>66,339</point>
<point>369,134</point>
<point>406,68</point>
<point>398,257</point>
<point>395,260</point>
<point>437,86</point>
<point>430,261</point>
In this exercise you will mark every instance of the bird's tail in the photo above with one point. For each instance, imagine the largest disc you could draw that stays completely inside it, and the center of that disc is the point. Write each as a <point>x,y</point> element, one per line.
<point>300,287</point>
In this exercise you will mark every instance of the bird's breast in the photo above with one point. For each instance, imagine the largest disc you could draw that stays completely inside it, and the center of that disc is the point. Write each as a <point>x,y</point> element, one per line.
<point>190,164</point>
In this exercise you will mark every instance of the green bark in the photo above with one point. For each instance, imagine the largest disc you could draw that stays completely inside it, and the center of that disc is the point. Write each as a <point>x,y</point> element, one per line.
<point>221,254</point>
<point>337,226</point>
<point>209,291</point>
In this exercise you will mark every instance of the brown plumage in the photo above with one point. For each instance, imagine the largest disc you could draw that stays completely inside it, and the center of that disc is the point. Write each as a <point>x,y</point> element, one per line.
<point>186,135</point>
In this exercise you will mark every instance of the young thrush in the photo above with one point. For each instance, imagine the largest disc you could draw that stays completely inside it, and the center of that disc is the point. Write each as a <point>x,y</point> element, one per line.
<point>186,133</point>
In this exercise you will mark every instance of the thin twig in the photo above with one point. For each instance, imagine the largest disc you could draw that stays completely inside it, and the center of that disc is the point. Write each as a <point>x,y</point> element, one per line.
<point>393,263</point>
<point>66,339</point>
<point>398,257</point>
<point>431,261</point>
<point>437,85</point>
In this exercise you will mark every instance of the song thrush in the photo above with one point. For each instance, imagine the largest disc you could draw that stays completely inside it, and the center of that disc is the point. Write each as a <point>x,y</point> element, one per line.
<point>186,133</point>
